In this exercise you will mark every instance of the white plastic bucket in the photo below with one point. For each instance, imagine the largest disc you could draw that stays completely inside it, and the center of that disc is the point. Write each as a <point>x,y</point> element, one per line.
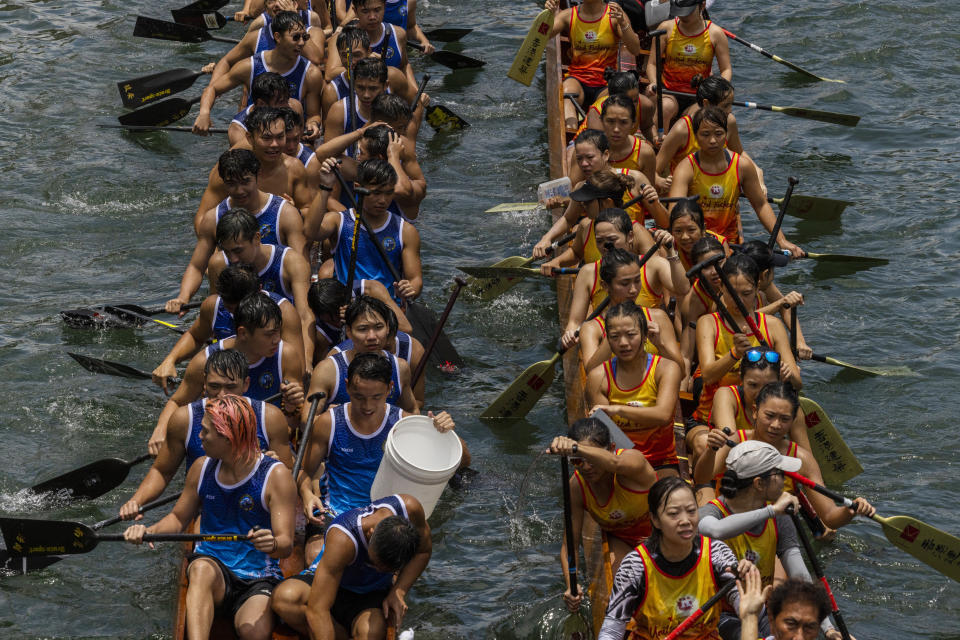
<point>417,460</point>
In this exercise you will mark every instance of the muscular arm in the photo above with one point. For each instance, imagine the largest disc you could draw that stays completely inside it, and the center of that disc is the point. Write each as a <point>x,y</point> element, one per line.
<point>338,553</point>
<point>297,275</point>
<point>189,343</point>
<point>712,368</point>
<point>206,245</point>
<point>278,436</point>
<point>412,570</point>
<point>189,390</point>
<point>291,229</point>
<point>212,195</point>
<point>166,464</point>
<point>186,508</point>
<point>412,267</point>
<point>668,391</point>
<point>673,142</point>
<point>281,498</point>
<point>721,51</point>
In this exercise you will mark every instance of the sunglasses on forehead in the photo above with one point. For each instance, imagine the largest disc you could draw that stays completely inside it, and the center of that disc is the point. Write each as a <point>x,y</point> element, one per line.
<point>754,355</point>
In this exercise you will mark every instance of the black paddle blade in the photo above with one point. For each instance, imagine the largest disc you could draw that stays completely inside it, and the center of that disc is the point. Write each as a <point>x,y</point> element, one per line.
<point>444,34</point>
<point>31,538</point>
<point>440,118</point>
<point>163,30</point>
<point>148,89</point>
<point>160,114</point>
<point>92,480</point>
<point>455,60</point>
<point>96,365</point>
<point>11,565</point>
<point>206,5</point>
<point>199,19</point>
<point>424,324</point>
<point>97,318</point>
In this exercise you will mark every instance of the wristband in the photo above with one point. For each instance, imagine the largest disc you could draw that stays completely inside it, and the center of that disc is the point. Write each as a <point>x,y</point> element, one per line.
<point>734,355</point>
<point>324,187</point>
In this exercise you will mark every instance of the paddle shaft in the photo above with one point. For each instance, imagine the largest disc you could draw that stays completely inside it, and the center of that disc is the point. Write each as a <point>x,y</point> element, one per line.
<point>793,331</point>
<point>818,571</point>
<point>659,56</point>
<point>133,127</point>
<point>568,527</point>
<point>791,183</point>
<point>740,306</point>
<point>775,57</point>
<point>706,606</point>
<point>178,537</point>
<point>459,283</point>
<point>357,197</point>
<point>307,429</point>
<point>423,85</point>
<point>120,311</point>
<point>351,115</point>
<point>159,502</point>
<point>721,308</point>
<point>572,97</point>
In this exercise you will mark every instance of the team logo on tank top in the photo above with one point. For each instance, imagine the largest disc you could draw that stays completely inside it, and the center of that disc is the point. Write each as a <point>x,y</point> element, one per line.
<point>616,514</point>
<point>389,53</point>
<point>689,49</point>
<point>246,502</point>
<point>266,380</point>
<point>686,605</point>
<point>716,191</point>
<point>389,244</point>
<point>590,36</point>
<point>264,230</point>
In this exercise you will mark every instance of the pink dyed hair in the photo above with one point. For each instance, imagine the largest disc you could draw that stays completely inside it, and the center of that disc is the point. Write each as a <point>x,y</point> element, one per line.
<point>234,419</point>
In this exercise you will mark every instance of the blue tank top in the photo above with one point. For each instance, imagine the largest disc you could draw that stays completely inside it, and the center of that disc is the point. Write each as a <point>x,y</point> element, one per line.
<point>296,77</point>
<point>241,118</point>
<point>266,374</point>
<point>237,509</point>
<point>388,47</point>
<point>341,85</point>
<point>223,325</point>
<point>268,217</point>
<point>329,332</point>
<point>340,395</point>
<point>192,444</point>
<point>271,276</point>
<point>305,154</point>
<point>370,265</point>
<point>403,347</point>
<point>395,12</point>
<point>266,41</point>
<point>360,576</point>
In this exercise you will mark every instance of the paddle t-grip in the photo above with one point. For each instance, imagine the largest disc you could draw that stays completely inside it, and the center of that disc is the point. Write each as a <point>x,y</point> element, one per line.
<point>791,183</point>
<point>741,307</point>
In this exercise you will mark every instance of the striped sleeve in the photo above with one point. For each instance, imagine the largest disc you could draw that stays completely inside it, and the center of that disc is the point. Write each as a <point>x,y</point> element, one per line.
<point>629,588</point>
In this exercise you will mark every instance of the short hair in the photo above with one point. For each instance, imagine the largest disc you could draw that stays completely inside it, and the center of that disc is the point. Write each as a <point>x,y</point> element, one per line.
<point>794,590</point>
<point>370,69</point>
<point>260,119</point>
<point>350,36</point>
<point>363,3</point>
<point>237,224</point>
<point>290,117</point>
<point>236,282</point>
<point>326,296</point>
<point>389,107</point>
<point>234,418</point>
<point>590,429</point>
<point>376,172</point>
<point>703,246</point>
<point>596,137</point>
<point>269,87</point>
<point>657,498</point>
<point>286,21</point>
<point>619,218</point>
<point>237,163</point>
<point>395,540</point>
<point>370,366</point>
<point>257,311</point>
<point>227,362</point>
<point>711,114</point>
<point>363,305</point>
<point>377,139</point>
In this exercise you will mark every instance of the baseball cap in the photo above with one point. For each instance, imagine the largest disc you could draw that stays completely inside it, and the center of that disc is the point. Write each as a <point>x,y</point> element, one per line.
<point>754,458</point>
<point>680,8</point>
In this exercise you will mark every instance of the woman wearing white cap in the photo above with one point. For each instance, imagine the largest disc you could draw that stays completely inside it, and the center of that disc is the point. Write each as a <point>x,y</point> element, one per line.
<point>750,517</point>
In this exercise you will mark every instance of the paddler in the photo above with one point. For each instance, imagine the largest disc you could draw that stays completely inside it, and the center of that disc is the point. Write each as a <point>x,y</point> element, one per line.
<point>688,50</point>
<point>595,29</point>
<point>621,83</point>
<point>278,221</point>
<point>403,13</point>
<point>386,40</point>
<point>215,319</point>
<point>687,227</point>
<point>370,80</point>
<point>698,302</point>
<point>750,516</point>
<point>637,389</point>
<point>610,485</point>
<point>293,134</point>
<point>225,372</point>
<point>312,20</point>
<point>233,489</point>
<point>664,580</point>
<point>718,175</point>
<point>268,90</point>
<point>797,609</point>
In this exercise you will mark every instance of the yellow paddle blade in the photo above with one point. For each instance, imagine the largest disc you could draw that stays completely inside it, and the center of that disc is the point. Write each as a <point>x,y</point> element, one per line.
<point>525,391</point>
<point>513,206</point>
<point>931,546</point>
<point>527,61</point>
<point>491,288</point>
<point>837,462</point>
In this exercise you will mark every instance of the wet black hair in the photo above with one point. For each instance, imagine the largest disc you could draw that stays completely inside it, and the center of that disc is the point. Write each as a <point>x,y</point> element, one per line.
<point>713,89</point>
<point>760,365</point>
<point>363,3</point>
<point>370,366</point>
<point>759,251</point>
<point>688,208</point>
<point>350,36</point>
<point>236,282</point>
<point>392,109</point>
<point>619,218</point>
<point>621,82</point>
<point>370,69</point>
<point>590,429</point>
<point>620,100</point>
<point>375,172</point>
<point>363,305</point>
<point>326,296</point>
<point>260,119</point>
<point>394,541</point>
<point>628,309</point>
<point>269,87</point>
<point>286,21</point>
<point>237,163</point>
<point>237,224</point>
<point>782,390</point>
<point>741,265</point>
<point>257,311</point>
<point>796,590</point>
<point>227,362</point>
<point>659,493</point>
<point>612,261</point>
<point>703,246</point>
<point>291,119</point>
<point>377,140</point>
<point>711,114</point>
<point>595,137</point>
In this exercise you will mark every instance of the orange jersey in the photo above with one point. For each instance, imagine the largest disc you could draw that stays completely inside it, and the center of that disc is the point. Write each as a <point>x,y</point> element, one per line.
<point>594,46</point>
<point>742,416</point>
<point>686,57</point>
<point>719,195</point>
<point>690,146</point>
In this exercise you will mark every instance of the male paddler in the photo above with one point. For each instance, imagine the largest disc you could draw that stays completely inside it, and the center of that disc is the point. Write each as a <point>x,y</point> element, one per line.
<point>387,40</point>
<point>268,90</point>
<point>797,608</point>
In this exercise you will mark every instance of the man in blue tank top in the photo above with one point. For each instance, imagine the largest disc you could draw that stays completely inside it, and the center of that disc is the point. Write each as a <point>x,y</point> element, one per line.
<point>384,143</point>
<point>293,128</point>
<point>268,90</point>
<point>235,490</point>
<point>387,40</point>
<point>275,367</point>
<point>369,81</point>
<point>215,320</point>
<point>226,372</point>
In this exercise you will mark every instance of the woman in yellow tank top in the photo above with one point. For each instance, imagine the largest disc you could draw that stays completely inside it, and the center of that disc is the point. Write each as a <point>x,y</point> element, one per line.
<point>666,579</point>
<point>609,484</point>
<point>595,29</point>
<point>687,227</point>
<point>624,83</point>
<point>718,176</point>
<point>618,115</point>
<point>638,390</point>
<point>688,51</point>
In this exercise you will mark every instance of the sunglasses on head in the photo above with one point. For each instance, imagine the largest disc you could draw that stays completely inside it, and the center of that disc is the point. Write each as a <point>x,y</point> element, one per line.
<point>754,355</point>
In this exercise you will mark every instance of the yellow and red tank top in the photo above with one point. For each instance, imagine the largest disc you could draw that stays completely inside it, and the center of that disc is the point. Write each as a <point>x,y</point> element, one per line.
<point>591,253</point>
<point>647,345</point>
<point>760,549</point>
<point>624,512</point>
<point>632,159</point>
<point>597,107</point>
<point>687,261</point>
<point>670,600</point>
<point>722,344</point>
<point>742,418</point>
<point>686,57</point>
<point>656,443</point>
<point>719,195</point>
<point>594,46</point>
<point>690,146</point>
<point>647,298</point>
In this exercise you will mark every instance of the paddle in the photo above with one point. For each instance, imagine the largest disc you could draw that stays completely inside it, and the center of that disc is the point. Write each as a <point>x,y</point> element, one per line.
<point>449,59</point>
<point>499,271</point>
<point>31,538</point>
<point>146,89</point>
<point>574,619</point>
<point>490,288</point>
<point>843,119</point>
<point>870,371</point>
<point>777,58</point>
<point>807,207</point>
<point>21,564</point>
<point>513,206</point>
<point>126,313</point>
<point>441,118</point>
<point>206,5</point>
<point>863,261</point>
<point>118,315</point>
<point>784,203</point>
<point>136,128</point>
<point>200,19</point>
<point>722,308</point>
<point>160,114</point>
<point>314,399</point>
<point>524,392</point>
<point>617,436</point>
<point>706,606</point>
<point>818,571</point>
<point>459,283</point>
<point>96,365</point>
<point>837,462</point>
<point>527,60</point>
<point>656,37</point>
<point>446,34</point>
<point>163,30</point>
<point>935,548</point>
<point>91,480</point>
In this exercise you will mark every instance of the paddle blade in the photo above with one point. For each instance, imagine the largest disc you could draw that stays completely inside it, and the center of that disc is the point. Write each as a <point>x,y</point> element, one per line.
<point>159,114</point>
<point>814,208</point>
<point>30,538</point>
<point>870,371</point>
<point>931,546</point>
<point>95,318</point>
<point>163,30</point>
<point>863,261</point>
<point>524,392</point>
<point>445,34</point>
<point>148,89</point>
<point>424,324</point>
<point>527,60</point>
<point>844,119</point>
<point>490,288</point>
<point>455,60</point>
<point>206,5</point>
<point>11,565</point>
<point>513,206</point>
<point>97,365</point>
<point>837,462</point>
<point>199,19</point>
<point>500,272</point>
<point>90,481</point>
<point>441,118</point>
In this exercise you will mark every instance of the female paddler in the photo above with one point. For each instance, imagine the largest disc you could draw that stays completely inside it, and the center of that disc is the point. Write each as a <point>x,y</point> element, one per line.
<point>624,83</point>
<point>608,483</point>
<point>687,227</point>
<point>718,175</point>
<point>595,29</point>
<point>664,580</point>
<point>637,389</point>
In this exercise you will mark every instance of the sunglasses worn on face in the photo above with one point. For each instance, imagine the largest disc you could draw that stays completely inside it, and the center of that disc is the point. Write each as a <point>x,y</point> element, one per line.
<point>754,355</point>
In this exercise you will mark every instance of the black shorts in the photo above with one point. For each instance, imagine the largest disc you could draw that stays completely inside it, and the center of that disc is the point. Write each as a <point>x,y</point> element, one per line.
<point>348,605</point>
<point>685,100</point>
<point>311,530</point>
<point>590,94</point>
<point>236,590</point>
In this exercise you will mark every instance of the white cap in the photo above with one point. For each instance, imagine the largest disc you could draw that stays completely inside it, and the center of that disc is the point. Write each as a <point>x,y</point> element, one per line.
<point>754,458</point>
